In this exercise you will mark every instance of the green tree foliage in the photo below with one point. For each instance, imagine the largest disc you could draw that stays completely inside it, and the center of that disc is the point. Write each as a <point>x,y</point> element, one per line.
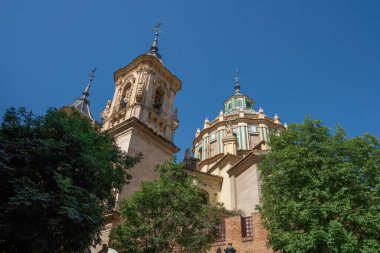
<point>166,216</point>
<point>57,178</point>
<point>321,191</point>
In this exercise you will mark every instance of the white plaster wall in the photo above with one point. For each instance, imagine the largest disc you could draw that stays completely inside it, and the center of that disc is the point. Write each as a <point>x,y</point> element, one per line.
<point>225,193</point>
<point>247,190</point>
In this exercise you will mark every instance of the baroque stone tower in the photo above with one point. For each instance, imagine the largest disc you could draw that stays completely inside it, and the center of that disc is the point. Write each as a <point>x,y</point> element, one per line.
<point>141,116</point>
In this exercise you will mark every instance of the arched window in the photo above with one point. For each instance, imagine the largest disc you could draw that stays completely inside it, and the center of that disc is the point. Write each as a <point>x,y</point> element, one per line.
<point>200,153</point>
<point>238,103</point>
<point>229,106</point>
<point>205,197</point>
<point>124,95</point>
<point>158,99</point>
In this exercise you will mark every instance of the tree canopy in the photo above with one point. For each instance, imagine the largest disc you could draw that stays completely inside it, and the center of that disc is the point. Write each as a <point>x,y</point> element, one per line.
<point>321,190</point>
<point>58,176</point>
<point>165,216</point>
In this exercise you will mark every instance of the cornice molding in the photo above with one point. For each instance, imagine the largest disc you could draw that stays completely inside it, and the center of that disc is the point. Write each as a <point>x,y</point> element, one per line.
<point>238,120</point>
<point>218,179</point>
<point>210,160</point>
<point>152,59</point>
<point>227,158</point>
<point>140,126</point>
<point>243,165</point>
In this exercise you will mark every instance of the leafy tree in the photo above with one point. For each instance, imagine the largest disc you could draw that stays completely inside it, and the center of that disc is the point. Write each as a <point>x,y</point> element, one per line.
<point>166,216</point>
<point>57,178</point>
<point>321,191</point>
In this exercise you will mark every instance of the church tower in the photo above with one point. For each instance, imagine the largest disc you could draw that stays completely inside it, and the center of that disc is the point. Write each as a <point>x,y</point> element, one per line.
<point>141,116</point>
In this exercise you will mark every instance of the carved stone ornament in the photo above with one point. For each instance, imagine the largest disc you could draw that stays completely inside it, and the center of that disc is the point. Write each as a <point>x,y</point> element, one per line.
<point>140,88</point>
<point>175,114</point>
<point>129,94</point>
<point>140,91</point>
<point>229,130</point>
<point>118,98</point>
<point>165,117</point>
<point>145,69</point>
<point>129,79</point>
<point>106,110</point>
<point>175,125</point>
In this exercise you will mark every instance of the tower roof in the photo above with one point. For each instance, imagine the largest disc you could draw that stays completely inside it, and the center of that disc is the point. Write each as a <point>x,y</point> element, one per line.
<point>82,104</point>
<point>154,48</point>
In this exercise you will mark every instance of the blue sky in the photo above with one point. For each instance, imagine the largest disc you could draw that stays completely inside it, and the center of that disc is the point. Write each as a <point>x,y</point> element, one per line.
<point>294,57</point>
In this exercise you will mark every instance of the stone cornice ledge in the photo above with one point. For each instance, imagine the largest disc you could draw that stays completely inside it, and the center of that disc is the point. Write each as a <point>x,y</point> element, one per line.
<point>136,123</point>
<point>243,164</point>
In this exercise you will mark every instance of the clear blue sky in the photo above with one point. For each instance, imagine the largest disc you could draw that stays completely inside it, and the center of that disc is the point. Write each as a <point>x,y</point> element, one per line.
<point>295,57</point>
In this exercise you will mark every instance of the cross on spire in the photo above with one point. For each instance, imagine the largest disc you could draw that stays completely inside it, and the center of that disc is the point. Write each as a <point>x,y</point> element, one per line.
<point>157,28</point>
<point>91,76</point>
<point>154,48</point>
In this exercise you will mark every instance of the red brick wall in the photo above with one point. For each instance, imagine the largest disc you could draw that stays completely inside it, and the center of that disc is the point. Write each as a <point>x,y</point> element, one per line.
<point>255,244</point>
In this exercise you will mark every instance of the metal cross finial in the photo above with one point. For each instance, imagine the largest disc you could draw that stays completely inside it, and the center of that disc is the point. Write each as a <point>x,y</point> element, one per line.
<point>157,28</point>
<point>237,85</point>
<point>154,48</point>
<point>91,75</point>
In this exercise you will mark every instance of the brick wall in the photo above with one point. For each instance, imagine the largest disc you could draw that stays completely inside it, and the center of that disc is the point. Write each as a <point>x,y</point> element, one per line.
<point>254,244</point>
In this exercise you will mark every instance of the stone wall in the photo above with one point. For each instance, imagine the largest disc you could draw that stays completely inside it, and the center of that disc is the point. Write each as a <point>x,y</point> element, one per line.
<point>153,154</point>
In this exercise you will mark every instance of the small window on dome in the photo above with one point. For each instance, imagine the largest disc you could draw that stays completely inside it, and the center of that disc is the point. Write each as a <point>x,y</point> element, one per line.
<point>238,103</point>
<point>253,129</point>
<point>248,104</point>
<point>229,106</point>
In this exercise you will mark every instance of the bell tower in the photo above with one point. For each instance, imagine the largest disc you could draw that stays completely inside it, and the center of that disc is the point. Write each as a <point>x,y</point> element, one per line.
<point>141,116</point>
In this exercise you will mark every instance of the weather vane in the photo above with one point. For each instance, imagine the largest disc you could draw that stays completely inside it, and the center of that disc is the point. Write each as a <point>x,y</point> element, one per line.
<point>91,75</point>
<point>237,75</point>
<point>157,28</point>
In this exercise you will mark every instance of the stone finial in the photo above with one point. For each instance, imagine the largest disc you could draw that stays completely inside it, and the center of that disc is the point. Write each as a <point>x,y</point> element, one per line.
<point>206,124</point>
<point>221,115</point>
<point>286,125</point>
<point>277,119</point>
<point>261,113</point>
<point>197,132</point>
<point>106,110</point>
